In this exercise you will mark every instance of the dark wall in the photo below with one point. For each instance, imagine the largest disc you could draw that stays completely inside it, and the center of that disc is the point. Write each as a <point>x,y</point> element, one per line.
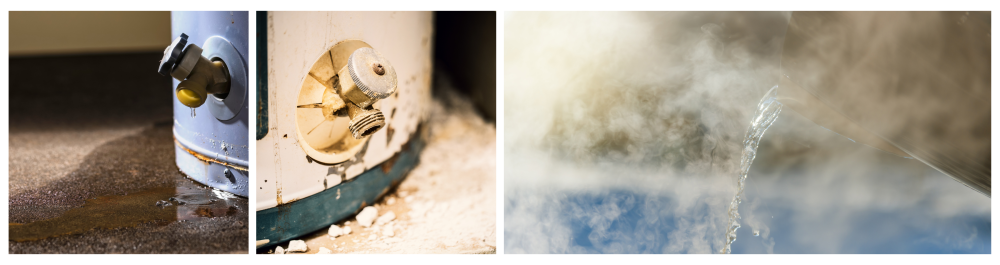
<point>465,48</point>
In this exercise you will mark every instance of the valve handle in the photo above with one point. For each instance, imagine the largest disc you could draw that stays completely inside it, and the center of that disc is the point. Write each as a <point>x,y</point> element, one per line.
<point>372,73</point>
<point>171,54</point>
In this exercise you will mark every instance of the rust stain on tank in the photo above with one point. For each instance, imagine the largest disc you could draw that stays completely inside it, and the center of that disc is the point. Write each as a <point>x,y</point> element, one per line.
<point>387,165</point>
<point>278,196</point>
<point>206,159</point>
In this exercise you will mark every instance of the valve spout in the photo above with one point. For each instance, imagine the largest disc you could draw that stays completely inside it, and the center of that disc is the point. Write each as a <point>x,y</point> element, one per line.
<point>364,121</point>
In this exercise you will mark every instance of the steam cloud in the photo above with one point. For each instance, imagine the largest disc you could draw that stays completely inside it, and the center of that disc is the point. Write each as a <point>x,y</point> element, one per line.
<point>623,133</point>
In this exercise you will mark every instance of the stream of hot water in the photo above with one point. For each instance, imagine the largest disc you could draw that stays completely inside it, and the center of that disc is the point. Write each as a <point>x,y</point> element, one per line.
<point>767,112</point>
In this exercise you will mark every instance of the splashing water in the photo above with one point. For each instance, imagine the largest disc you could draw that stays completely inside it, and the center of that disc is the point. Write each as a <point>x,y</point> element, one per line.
<point>767,112</point>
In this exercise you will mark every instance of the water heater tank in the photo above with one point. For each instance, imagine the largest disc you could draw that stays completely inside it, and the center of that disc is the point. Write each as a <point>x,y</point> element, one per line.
<point>210,136</point>
<point>340,100</point>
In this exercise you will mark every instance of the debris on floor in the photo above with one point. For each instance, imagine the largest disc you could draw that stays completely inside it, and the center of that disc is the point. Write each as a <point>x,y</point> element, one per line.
<point>388,231</point>
<point>323,250</point>
<point>336,231</point>
<point>366,216</point>
<point>385,218</point>
<point>297,246</point>
<point>447,203</point>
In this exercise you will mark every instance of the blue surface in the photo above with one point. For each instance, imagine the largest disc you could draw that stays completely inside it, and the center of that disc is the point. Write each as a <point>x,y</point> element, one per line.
<point>831,196</point>
<point>212,174</point>
<point>637,229</point>
<point>203,133</point>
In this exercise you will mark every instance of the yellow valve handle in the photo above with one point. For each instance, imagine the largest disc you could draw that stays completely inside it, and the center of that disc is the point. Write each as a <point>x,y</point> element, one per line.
<point>191,93</point>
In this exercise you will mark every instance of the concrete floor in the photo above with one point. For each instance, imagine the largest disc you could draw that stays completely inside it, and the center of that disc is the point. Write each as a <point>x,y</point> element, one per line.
<point>79,137</point>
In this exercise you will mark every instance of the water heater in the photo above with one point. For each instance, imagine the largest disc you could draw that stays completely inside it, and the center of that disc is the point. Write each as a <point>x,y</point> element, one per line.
<point>208,62</point>
<point>340,99</point>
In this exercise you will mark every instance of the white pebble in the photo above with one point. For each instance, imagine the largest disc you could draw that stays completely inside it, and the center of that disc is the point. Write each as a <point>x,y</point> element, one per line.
<point>323,250</point>
<point>408,199</point>
<point>335,231</point>
<point>297,246</point>
<point>385,218</point>
<point>390,201</point>
<point>372,237</point>
<point>279,250</point>
<point>347,230</point>
<point>366,216</point>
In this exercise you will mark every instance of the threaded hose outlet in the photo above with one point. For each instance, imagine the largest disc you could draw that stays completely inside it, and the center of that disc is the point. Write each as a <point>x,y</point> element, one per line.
<point>364,121</point>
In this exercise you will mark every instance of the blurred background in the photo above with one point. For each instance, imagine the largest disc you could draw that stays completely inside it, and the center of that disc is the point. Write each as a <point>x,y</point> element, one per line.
<point>465,52</point>
<point>624,132</point>
<point>88,32</point>
<point>68,49</point>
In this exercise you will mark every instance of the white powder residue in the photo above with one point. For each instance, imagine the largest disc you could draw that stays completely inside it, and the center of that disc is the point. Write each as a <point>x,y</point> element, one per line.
<point>385,218</point>
<point>447,204</point>
<point>323,250</point>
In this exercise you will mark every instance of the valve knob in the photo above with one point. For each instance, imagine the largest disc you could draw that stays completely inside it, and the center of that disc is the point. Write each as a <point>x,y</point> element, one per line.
<point>171,54</point>
<point>372,77</point>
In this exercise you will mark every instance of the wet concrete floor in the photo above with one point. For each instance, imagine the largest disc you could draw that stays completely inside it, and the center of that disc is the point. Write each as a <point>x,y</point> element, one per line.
<point>92,165</point>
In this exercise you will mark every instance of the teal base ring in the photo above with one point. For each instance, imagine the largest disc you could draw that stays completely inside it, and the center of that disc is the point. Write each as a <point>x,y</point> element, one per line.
<point>318,211</point>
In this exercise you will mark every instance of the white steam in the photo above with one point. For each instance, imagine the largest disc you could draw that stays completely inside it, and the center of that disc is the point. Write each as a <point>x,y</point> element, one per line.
<point>647,111</point>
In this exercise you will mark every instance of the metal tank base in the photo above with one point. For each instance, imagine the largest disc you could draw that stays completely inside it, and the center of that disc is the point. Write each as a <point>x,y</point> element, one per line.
<point>211,172</point>
<point>318,211</point>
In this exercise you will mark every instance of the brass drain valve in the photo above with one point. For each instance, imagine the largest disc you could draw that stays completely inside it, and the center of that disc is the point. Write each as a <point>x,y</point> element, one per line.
<point>367,78</point>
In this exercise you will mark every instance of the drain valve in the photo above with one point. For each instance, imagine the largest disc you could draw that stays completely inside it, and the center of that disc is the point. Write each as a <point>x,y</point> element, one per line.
<point>199,76</point>
<point>367,78</point>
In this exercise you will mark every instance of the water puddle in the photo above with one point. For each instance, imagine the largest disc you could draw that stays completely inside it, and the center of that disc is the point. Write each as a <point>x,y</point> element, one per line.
<point>186,201</point>
<point>767,112</point>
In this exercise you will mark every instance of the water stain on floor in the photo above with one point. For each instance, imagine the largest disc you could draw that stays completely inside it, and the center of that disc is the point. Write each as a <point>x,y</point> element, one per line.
<point>127,196</point>
<point>106,202</point>
<point>187,201</point>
